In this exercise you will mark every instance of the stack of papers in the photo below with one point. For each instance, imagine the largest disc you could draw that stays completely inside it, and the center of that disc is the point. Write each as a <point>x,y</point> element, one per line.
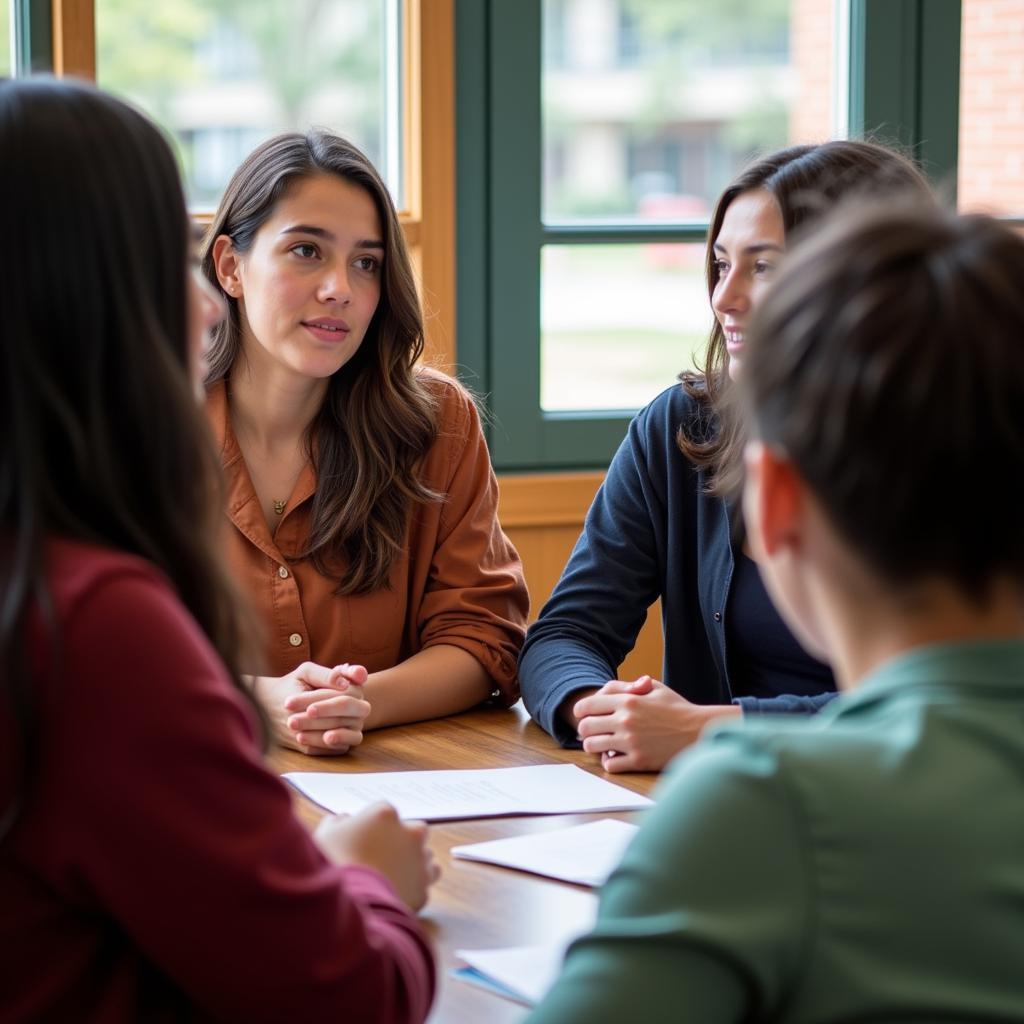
<point>466,793</point>
<point>585,854</point>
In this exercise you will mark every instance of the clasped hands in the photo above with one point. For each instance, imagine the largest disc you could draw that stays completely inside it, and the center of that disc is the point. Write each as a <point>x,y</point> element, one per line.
<point>320,710</point>
<point>641,725</point>
<point>315,709</point>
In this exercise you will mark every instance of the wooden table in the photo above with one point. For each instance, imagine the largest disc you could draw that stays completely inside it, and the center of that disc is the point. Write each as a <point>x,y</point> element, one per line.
<point>476,906</point>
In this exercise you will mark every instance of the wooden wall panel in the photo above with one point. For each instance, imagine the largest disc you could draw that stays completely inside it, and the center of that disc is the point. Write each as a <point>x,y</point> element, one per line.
<point>430,149</point>
<point>543,515</point>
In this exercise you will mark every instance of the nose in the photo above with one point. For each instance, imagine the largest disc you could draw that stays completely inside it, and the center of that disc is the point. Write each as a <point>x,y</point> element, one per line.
<point>731,293</point>
<point>334,285</point>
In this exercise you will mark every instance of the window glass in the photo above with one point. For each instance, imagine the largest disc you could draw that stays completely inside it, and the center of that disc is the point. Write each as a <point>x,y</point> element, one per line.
<point>619,322</point>
<point>222,75</point>
<point>991,150</point>
<point>651,106</point>
<point>5,38</point>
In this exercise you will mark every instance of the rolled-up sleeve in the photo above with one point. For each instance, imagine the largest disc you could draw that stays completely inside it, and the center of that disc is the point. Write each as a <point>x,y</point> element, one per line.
<point>475,597</point>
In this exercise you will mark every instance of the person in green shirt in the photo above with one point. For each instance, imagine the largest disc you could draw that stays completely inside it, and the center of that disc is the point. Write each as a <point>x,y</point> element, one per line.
<point>866,865</point>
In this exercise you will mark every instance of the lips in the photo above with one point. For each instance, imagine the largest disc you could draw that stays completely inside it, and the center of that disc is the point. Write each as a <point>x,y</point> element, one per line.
<point>327,329</point>
<point>733,339</point>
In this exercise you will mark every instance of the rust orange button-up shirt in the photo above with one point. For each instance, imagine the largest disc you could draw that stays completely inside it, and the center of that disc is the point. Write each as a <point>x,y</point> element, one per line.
<point>459,582</point>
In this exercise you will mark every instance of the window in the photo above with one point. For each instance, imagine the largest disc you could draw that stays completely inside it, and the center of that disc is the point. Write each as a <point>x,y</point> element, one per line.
<point>613,126</point>
<point>594,136</point>
<point>649,107</point>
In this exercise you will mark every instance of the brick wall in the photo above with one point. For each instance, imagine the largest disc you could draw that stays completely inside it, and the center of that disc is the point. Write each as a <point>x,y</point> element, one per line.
<point>991,171</point>
<point>812,47</point>
<point>991,168</point>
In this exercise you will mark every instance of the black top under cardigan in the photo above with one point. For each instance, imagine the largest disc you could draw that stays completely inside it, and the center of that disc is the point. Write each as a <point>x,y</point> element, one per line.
<point>652,531</point>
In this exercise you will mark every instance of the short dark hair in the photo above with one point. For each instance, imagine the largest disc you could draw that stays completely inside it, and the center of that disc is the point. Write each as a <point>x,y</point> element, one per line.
<point>888,363</point>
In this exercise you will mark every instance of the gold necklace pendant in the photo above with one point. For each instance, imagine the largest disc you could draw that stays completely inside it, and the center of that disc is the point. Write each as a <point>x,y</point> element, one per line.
<point>279,506</point>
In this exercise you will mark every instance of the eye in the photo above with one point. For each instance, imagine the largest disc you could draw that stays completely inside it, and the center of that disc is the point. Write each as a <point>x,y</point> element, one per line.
<point>305,250</point>
<point>721,268</point>
<point>369,264</point>
<point>763,268</point>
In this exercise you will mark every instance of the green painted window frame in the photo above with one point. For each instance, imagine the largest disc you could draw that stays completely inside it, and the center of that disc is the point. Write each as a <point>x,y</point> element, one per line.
<point>32,26</point>
<point>904,85</point>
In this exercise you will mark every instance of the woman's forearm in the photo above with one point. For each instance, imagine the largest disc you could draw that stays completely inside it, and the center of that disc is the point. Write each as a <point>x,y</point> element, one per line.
<point>439,680</point>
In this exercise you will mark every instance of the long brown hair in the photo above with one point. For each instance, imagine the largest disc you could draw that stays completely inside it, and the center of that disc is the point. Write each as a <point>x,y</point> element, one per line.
<point>806,181</point>
<point>887,361</point>
<point>378,419</point>
<point>101,438</point>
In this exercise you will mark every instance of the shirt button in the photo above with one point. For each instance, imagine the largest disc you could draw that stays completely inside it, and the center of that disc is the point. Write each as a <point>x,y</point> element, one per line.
<point>718,616</point>
<point>295,639</point>
<point>282,572</point>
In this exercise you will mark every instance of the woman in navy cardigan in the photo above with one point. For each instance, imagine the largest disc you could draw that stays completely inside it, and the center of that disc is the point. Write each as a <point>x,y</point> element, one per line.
<point>664,523</point>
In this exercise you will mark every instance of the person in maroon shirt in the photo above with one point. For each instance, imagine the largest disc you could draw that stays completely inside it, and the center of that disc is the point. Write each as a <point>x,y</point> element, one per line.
<point>150,867</point>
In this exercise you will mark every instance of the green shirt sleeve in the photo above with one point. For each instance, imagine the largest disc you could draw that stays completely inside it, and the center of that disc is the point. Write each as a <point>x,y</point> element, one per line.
<point>707,916</point>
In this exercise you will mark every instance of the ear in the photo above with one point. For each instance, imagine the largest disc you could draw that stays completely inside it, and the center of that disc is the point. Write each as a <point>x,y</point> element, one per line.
<point>228,266</point>
<point>773,501</point>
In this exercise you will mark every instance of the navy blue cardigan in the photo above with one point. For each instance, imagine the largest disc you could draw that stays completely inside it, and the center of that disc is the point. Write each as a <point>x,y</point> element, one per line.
<point>652,532</point>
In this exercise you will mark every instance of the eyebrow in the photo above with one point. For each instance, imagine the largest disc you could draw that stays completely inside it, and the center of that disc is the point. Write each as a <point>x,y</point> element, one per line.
<point>309,229</point>
<point>756,248</point>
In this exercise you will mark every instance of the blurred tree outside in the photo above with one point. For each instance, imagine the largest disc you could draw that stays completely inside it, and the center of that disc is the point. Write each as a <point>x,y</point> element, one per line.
<point>297,57</point>
<point>295,53</point>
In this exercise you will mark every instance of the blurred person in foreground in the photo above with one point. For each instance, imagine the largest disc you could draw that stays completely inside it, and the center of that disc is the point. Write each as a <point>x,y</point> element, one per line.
<point>866,864</point>
<point>151,868</point>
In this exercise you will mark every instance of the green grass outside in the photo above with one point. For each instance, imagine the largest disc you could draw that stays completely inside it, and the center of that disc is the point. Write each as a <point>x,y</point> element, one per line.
<point>612,369</point>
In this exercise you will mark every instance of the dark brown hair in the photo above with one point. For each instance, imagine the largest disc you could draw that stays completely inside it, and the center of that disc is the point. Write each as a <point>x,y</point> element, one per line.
<point>378,419</point>
<point>805,181</point>
<point>888,363</point>
<point>101,438</point>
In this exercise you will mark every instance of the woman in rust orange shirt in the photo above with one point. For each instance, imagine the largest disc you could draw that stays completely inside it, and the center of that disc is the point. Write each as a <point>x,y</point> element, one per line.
<point>361,497</point>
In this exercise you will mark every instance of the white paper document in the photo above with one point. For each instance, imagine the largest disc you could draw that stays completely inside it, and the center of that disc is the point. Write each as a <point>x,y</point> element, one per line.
<point>586,854</point>
<point>468,793</point>
<point>522,973</point>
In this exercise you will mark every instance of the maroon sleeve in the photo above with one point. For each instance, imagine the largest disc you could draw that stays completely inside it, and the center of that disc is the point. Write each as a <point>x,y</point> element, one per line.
<point>167,822</point>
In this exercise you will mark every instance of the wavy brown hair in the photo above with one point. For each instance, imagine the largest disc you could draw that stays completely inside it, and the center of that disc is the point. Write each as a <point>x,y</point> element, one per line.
<point>101,437</point>
<point>806,181</point>
<point>378,419</point>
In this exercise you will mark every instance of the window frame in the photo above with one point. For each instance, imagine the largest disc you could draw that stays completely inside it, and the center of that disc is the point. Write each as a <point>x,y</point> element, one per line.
<point>900,86</point>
